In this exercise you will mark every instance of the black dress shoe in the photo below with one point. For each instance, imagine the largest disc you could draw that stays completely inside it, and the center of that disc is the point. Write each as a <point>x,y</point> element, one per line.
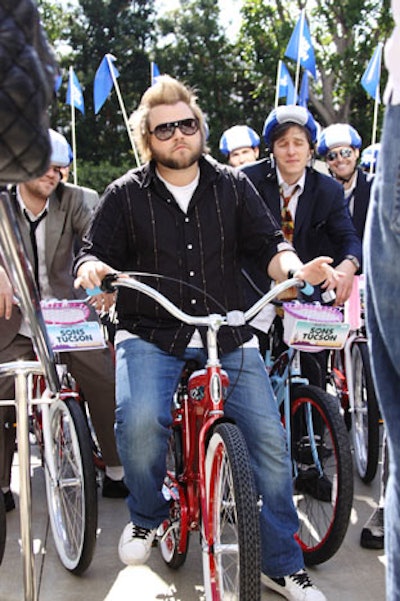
<point>114,489</point>
<point>9,501</point>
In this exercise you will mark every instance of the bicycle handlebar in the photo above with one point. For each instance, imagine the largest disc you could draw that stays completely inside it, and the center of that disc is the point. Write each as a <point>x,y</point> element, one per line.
<point>215,320</point>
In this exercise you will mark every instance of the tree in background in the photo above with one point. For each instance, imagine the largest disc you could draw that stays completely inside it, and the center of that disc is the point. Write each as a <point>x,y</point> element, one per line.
<point>90,29</point>
<point>192,46</point>
<point>344,36</point>
<point>235,79</point>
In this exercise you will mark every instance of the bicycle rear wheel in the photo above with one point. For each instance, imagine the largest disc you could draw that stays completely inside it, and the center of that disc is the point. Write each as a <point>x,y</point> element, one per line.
<point>3,526</point>
<point>173,533</point>
<point>365,414</point>
<point>71,489</point>
<point>323,472</point>
<point>231,555</point>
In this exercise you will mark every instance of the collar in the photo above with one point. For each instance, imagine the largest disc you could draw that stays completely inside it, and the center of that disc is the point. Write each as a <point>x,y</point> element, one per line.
<point>23,207</point>
<point>288,188</point>
<point>349,192</point>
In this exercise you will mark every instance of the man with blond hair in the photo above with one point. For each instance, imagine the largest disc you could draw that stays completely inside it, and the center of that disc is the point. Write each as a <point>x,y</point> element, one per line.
<point>190,219</point>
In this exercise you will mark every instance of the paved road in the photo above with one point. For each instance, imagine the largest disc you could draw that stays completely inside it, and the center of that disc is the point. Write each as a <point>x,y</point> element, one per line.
<point>353,574</point>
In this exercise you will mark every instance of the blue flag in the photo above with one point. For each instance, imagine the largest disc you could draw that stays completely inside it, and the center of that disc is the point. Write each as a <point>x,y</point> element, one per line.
<point>286,85</point>
<point>372,74</point>
<point>300,46</point>
<point>57,83</point>
<point>74,92</point>
<point>103,81</point>
<point>303,94</point>
<point>155,73</point>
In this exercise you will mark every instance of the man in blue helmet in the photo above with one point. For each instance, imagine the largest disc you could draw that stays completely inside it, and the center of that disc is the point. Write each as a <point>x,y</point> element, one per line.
<point>240,144</point>
<point>321,220</point>
<point>316,219</point>
<point>340,145</point>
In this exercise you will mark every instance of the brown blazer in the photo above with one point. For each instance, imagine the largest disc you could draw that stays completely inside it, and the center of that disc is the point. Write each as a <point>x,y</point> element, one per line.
<point>67,220</point>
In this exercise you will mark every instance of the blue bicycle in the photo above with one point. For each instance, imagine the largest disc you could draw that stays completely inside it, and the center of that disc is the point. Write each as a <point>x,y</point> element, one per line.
<point>320,451</point>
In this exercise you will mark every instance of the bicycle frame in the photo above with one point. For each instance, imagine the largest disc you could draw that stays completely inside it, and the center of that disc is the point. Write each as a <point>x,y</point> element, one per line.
<point>197,414</point>
<point>283,372</point>
<point>355,336</point>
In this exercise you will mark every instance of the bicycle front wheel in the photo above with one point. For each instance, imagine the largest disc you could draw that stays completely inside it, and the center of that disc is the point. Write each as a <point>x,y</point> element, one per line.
<point>71,486</point>
<point>365,414</point>
<point>232,553</point>
<point>323,472</point>
<point>3,526</point>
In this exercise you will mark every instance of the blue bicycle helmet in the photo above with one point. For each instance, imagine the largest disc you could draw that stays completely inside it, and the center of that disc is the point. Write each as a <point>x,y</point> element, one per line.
<point>290,113</point>
<point>369,156</point>
<point>338,134</point>
<point>238,136</point>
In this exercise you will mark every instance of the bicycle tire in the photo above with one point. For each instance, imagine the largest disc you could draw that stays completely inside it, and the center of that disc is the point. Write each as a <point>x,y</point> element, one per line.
<point>3,526</point>
<point>338,382</point>
<point>72,494</point>
<point>365,414</point>
<point>232,555</point>
<point>323,501</point>
<point>173,540</point>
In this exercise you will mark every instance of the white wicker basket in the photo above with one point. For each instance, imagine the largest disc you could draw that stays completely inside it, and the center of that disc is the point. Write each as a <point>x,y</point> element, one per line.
<point>313,327</point>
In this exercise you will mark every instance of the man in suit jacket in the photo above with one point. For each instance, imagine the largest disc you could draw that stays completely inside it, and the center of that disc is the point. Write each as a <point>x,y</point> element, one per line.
<point>322,223</point>
<point>62,217</point>
<point>340,145</point>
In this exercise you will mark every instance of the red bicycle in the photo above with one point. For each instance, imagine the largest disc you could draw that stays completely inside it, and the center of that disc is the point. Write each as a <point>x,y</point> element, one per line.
<point>209,479</point>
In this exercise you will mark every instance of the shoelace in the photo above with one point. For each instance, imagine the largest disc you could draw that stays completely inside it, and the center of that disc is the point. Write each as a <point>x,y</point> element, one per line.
<point>139,532</point>
<point>302,579</point>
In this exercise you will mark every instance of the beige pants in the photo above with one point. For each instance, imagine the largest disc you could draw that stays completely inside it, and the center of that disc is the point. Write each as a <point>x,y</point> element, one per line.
<point>93,370</point>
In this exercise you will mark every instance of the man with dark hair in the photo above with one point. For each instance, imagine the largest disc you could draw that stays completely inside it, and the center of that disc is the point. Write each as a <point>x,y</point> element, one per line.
<point>53,217</point>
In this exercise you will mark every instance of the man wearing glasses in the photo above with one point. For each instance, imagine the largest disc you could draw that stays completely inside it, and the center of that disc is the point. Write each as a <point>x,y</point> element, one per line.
<point>340,144</point>
<point>191,219</point>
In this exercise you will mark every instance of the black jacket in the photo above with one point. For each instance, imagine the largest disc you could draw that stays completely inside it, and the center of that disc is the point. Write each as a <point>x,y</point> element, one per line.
<point>323,225</point>
<point>140,227</point>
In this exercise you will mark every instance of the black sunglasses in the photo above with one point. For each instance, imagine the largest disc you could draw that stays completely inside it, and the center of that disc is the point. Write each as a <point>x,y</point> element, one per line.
<point>345,153</point>
<point>165,131</point>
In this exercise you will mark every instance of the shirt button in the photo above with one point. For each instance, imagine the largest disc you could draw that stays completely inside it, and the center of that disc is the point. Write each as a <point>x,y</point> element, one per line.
<point>191,273</point>
<point>187,219</point>
<point>193,301</point>
<point>189,246</point>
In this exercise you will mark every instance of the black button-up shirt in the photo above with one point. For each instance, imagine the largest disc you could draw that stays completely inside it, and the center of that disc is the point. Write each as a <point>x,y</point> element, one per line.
<point>140,227</point>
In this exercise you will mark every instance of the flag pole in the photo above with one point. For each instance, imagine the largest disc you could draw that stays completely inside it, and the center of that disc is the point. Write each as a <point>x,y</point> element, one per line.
<point>121,103</point>
<point>278,78</point>
<point>376,104</point>
<point>72,92</point>
<point>297,77</point>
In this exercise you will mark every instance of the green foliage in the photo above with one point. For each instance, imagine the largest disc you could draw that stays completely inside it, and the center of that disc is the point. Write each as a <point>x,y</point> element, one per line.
<point>99,175</point>
<point>235,79</point>
<point>193,48</point>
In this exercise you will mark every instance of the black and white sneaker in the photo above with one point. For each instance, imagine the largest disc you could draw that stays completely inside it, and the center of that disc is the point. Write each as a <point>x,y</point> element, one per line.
<point>296,587</point>
<point>373,533</point>
<point>135,544</point>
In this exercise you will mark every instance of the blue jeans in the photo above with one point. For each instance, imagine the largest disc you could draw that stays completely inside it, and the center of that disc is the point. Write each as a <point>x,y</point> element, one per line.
<point>147,378</point>
<point>382,268</point>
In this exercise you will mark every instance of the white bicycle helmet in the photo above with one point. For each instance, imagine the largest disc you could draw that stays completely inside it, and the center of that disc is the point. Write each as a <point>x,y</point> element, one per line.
<point>338,134</point>
<point>369,156</point>
<point>238,136</point>
<point>290,113</point>
<point>60,149</point>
